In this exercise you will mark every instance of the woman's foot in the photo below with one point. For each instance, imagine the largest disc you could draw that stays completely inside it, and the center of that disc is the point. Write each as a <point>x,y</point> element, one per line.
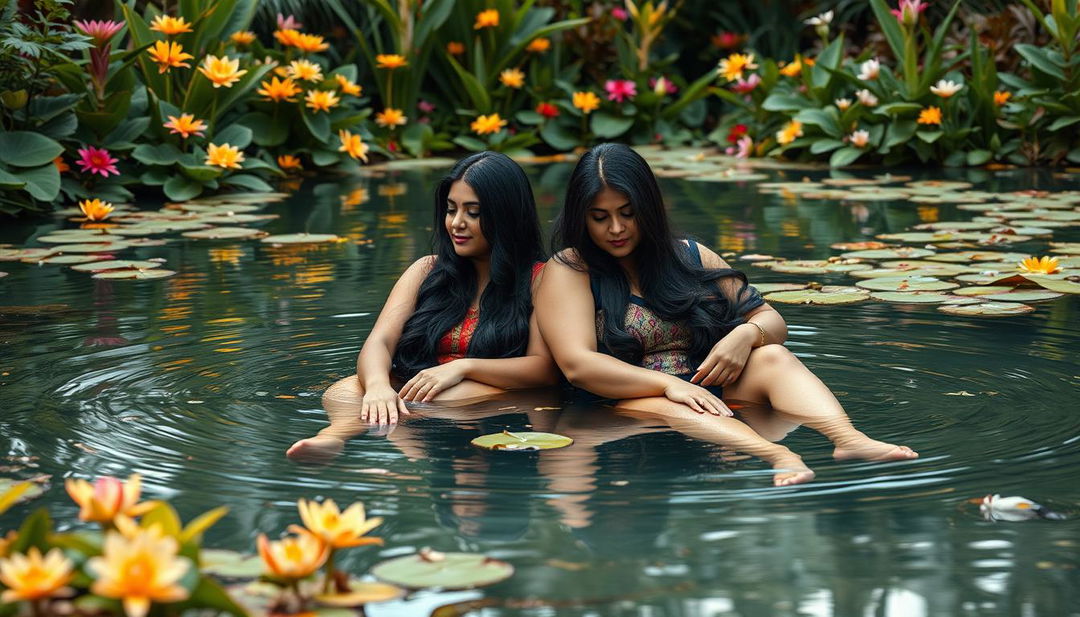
<point>872,450</point>
<point>791,470</point>
<point>317,449</point>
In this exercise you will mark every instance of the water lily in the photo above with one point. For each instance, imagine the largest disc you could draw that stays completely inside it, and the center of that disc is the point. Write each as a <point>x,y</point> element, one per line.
<point>842,104</point>
<point>336,528</point>
<point>662,85</point>
<point>732,67</point>
<point>277,90</point>
<point>512,78</point>
<point>242,37</point>
<point>488,18</point>
<point>107,497</point>
<point>32,577</point>
<point>293,557</point>
<point>288,23</point>
<point>99,30</point>
<point>744,147</point>
<point>186,125</point>
<point>61,166</point>
<point>586,101</point>
<point>793,68</point>
<point>485,125</point>
<point>945,88</point>
<point>390,61</point>
<point>745,86</point>
<point>866,98</point>
<point>321,100</point>
<point>620,90</point>
<point>222,71</point>
<point>1035,265</point>
<point>547,110</point>
<point>170,25</point>
<point>304,70</point>
<point>307,43</point>
<point>869,70</point>
<point>1001,97</point>
<point>224,156</point>
<point>391,117</point>
<point>95,210</point>
<point>538,45</point>
<point>455,48</point>
<point>347,86</point>
<point>139,570</point>
<point>908,12</point>
<point>789,133</point>
<point>168,55</point>
<point>930,115</point>
<point>353,145</point>
<point>288,162</point>
<point>860,138</point>
<point>97,161</point>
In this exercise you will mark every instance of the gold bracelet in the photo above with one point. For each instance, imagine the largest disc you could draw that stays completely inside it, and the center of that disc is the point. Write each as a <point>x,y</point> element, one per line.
<point>760,329</point>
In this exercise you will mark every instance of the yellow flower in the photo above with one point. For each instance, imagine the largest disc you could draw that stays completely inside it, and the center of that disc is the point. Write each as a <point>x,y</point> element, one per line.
<point>139,570</point>
<point>303,42</point>
<point>293,557</point>
<point>321,100</point>
<point>107,497</point>
<point>287,37</point>
<point>538,46</point>
<point>1001,97</point>
<point>390,117</point>
<point>732,67</point>
<point>390,61</point>
<point>930,115</point>
<point>170,25</point>
<point>793,68</point>
<point>242,37</point>
<point>168,55</point>
<point>455,48</point>
<point>1034,265</point>
<point>186,125</point>
<point>224,156</point>
<point>347,86</point>
<point>288,162</point>
<point>95,210</point>
<point>336,528</point>
<point>33,577</point>
<point>484,125</point>
<point>586,101</point>
<point>305,70</point>
<point>512,78</point>
<point>276,90</point>
<point>353,145</point>
<point>486,19</point>
<point>790,131</point>
<point>222,71</point>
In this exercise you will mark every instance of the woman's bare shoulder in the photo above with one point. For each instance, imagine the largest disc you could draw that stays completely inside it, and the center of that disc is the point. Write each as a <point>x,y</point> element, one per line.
<point>569,259</point>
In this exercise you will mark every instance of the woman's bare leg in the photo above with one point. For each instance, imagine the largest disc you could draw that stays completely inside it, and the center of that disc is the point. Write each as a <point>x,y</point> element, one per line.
<point>775,376</point>
<point>728,432</point>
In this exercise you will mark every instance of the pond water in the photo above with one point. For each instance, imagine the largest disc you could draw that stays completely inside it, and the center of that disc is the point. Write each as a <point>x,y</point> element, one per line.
<point>202,380</point>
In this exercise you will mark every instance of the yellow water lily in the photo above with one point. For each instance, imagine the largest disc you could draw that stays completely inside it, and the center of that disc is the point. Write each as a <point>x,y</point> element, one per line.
<point>347,86</point>
<point>304,42</point>
<point>293,557</point>
<point>390,61</point>
<point>224,156</point>
<point>186,125</point>
<point>485,125</point>
<point>95,210</point>
<point>390,117</point>
<point>930,115</point>
<point>33,577</point>
<point>586,101</point>
<point>321,100</point>
<point>512,78</point>
<point>789,133</point>
<point>353,145</point>
<point>305,70</point>
<point>107,497</point>
<point>336,528</point>
<point>221,71</point>
<point>139,570</point>
<point>242,37</point>
<point>170,25</point>
<point>168,55</point>
<point>1035,265</point>
<point>288,162</point>
<point>278,90</point>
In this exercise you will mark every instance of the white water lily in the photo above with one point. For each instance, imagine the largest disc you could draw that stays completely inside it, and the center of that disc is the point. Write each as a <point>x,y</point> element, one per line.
<point>860,138</point>
<point>869,70</point>
<point>821,20</point>
<point>1015,508</point>
<point>945,88</point>
<point>842,104</point>
<point>867,98</point>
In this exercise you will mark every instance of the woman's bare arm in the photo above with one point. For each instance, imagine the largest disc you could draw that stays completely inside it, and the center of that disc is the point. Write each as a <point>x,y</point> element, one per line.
<point>765,316</point>
<point>376,356</point>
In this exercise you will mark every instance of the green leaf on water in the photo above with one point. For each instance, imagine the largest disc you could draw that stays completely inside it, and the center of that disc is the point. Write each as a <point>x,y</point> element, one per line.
<point>442,570</point>
<point>521,441</point>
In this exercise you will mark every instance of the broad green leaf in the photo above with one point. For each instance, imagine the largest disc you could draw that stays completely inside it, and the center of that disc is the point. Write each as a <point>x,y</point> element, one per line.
<point>247,181</point>
<point>822,146</point>
<point>157,154</point>
<point>1040,59</point>
<point>443,570</point>
<point>164,515</point>
<point>608,126</point>
<point>845,156</point>
<point>784,102</point>
<point>26,149</point>
<point>42,183</point>
<point>180,188</point>
<point>318,124</point>
<point>558,137</point>
<point>235,135</point>
<point>12,494</point>
<point>978,157</point>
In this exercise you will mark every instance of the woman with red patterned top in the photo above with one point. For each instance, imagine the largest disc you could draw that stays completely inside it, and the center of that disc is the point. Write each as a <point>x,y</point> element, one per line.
<point>458,324</point>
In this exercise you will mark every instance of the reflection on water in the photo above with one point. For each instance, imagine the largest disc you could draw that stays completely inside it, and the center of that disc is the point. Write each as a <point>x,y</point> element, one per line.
<point>202,380</point>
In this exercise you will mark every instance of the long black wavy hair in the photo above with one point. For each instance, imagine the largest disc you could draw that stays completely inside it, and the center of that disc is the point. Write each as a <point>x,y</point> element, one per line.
<point>676,287</point>
<point>510,224</point>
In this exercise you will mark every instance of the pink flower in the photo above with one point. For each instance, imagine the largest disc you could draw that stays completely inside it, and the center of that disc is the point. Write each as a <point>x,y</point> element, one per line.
<point>619,13</point>
<point>426,106</point>
<point>745,145</point>
<point>742,86</point>
<point>288,23</point>
<point>620,89</point>
<point>100,30</point>
<point>908,13</point>
<point>97,161</point>
<point>663,82</point>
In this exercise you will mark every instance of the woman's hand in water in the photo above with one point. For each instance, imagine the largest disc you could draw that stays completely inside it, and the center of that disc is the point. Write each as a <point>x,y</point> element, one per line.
<point>428,383</point>
<point>725,362</point>
<point>382,405</point>
<point>697,398</point>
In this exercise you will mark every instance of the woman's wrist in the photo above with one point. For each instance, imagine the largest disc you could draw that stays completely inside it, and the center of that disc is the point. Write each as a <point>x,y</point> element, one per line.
<point>753,334</point>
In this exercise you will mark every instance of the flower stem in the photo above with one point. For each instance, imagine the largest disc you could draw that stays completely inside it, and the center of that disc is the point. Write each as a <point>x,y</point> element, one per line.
<point>329,572</point>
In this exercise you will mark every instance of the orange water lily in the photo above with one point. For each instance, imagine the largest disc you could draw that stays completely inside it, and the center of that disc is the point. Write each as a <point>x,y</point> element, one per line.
<point>321,100</point>
<point>1001,97</point>
<point>224,156</point>
<point>336,528</point>
<point>170,25</point>
<point>293,557</point>
<point>347,86</point>
<point>288,162</point>
<point>168,55</point>
<point>512,78</point>
<point>278,90</point>
<point>1035,265</point>
<point>242,37</point>
<point>538,46</point>
<point>793,68</point>
<point>488,18</point>
<point>930,115</point>
<point>186,125</point>
<point>353,145</point>
<point>33,576</point>
<point>107,497</point>
<point>390,61</point>
<point>789,133</point>
<point>305,70</point>
<point>485,125</point>
<point>586,101</point>
<point>94,210</point>
<point>391,117</point>
<point>304,42</point>
<point>139,570</point>
<point>221,71</point>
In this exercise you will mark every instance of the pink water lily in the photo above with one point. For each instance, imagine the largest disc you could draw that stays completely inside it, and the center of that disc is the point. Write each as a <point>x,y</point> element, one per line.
<point>745,146</point>
<point>620,89</point>
<point>288,23</point>
<point>743,86</point>
<point>100,30</point>
<point>908,12</point>
<point>97,161</point>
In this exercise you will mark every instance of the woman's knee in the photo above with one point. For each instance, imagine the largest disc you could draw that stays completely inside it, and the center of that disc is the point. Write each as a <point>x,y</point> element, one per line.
<point>772,355</point>
<point>345,389</point>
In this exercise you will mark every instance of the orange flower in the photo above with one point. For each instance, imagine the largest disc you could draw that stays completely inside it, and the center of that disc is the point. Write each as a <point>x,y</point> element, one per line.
<point>733,66</point>
<point>221,71</point>
<point>186,125</point>
<point>347,86</point>
<point>61,166</point>
<point>287,37</point>
<point>288,162</point>
<point>336,528</point>
<point>486,19</point>
<point>1034,265</point>
<point>485,125</point>
<point>1001,97</point>
<point>168,55</point>
<point>321,100</point>
<point>793,68</point>
<point>538,46</point>
<point>242,37</point>
<point>455,48</point>
<point>390,117</point>
<point>33,577</point>
<point>353,145</point>
<point>95,210</point>
<point>276,90</point>
<point>930,115</point>
<point>224,156</point>
<point>586,101</point>
<point>390,61</point>
<point>790,131</point>
<point>293,557</point>
<point>305,70</point>
<point>170,25</point>
<point>139,570</point>
<point>512,78</point>
<point>107,497</point>
<point>304,42</point>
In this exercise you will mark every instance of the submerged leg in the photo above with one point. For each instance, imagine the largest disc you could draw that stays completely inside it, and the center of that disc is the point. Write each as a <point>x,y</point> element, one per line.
<point>728,432</point>
<point>774,375</point>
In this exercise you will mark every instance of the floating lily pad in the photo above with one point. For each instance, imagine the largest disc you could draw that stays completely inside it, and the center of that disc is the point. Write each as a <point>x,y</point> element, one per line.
<point>230,564</point>
<point>361,593</point>
<point>522,441</point>
<point>911,283</point>
<point>36,489</point>
<point>794,187</point>
<point>225,209</point>
<point>23,254</point>
<point>235,219</point>
<point>987,309</point>
<point>893,253</point>
<point>817,267</point>
<point>443,570</point>
<point>224,233</point>
<point>960,300</point>
<point>65,260</point>
<point>911,297</point>
<point>115,264</point>
<point>1066,216</point>
<point>983,290</point>
<point>969,256</point>
<point>729,175</point>
<point>1023,231</point>
<point>79,238</point>
<point>993,278</point>
<point>940,185</point>
<point>103,247</point>
<point>241,198</point>
<point>815,296</point>
<point>134,274</point>
<point>1054,282</point>
<point>766,288</point>
<point>757,257</point>
<point>300,238</point>
<point>851,182</point>
<point>1065,248</point>
<point>860,246</point>
<point>881,273</point>
<point>955,226</point>
<point>1023,295</point>
<point>918,237</point>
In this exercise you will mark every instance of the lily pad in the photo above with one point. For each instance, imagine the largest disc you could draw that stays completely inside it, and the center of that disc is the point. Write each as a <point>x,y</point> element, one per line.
<point>969,256</point>
<point>115,264</point>
<point>23,254</point>
<point>103,247</point>
<point>521,441</point>
<point>230,564</point>
<point>64,260</point>
<point>955,226</point>
<point>881,273</point>
<point>36,489</point>
<point>817,267</point>
<point>1023,295</point>
<point>361,593</point>
<point>911,297</point>
<point>815,296</point>
<point>300,238</point>
<point>766,288</point>
<point>134,274</point>
<point>912,283</point>
<point>1065,248</point>
<point>940,185</point>
<point>860,246</point>
<point>993,278</point>
<point>1054,282</point>
<point>238,219</point>
<point>79,238</point>
<point>224,233</point>
<point>443,570</point>
<point>983,290</point>
<point>987,309</point>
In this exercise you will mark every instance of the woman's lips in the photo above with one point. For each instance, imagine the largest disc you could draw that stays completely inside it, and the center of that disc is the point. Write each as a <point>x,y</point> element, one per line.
<point>618,243</point>
<point>460,239</point>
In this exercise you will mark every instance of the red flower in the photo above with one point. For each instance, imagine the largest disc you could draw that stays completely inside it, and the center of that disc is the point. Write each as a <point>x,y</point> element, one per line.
<point>736,132</point>
<point>97,161</point>
<point>727,40</point>
<point>547,110</point>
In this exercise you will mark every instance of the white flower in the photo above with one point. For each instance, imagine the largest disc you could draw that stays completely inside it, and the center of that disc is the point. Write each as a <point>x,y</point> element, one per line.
<point>945,88</point>
<point>821,20</point>
<point>866,98</point>
<point>869,70</point>
<point>860,138</point>
<point>842,104</point>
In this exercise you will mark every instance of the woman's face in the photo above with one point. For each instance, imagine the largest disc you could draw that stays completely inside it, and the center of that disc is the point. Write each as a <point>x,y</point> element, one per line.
<point>612,223</point>
<point>462,222</point>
